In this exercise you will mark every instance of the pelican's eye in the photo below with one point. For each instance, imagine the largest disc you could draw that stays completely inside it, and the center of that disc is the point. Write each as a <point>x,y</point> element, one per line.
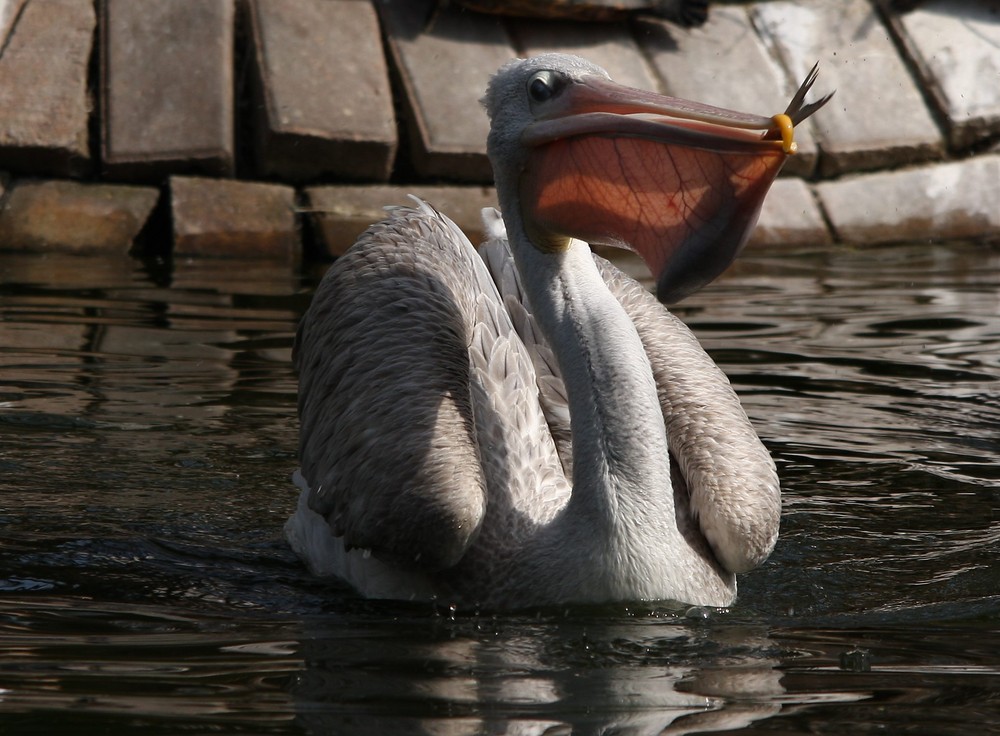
<point>544,85</point>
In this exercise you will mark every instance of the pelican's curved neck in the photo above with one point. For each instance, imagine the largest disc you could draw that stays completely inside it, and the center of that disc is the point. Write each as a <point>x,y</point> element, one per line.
<point>621,472</point>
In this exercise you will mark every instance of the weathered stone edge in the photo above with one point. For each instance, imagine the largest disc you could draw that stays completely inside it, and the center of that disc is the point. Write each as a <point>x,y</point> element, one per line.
<point>940,202</point>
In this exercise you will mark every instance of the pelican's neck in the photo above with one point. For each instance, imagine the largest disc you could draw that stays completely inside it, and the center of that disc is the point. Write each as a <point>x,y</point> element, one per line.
<point>621,474</point>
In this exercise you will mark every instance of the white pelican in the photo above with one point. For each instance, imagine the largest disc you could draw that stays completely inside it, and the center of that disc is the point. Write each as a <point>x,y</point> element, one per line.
<point>530,426</point>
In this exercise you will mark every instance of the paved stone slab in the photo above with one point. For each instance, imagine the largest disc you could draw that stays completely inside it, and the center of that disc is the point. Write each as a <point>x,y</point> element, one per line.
<point>9,10</point>
<point>339,214</point>
<point>325,106</point>
<point>227,218</point>
<point>443,70</point>
<point>167,87</point>
<point>726,64</point>
<point>73,217</point>
<point>44,104</point>
<point>878,118</point>
<point>790,217</point>
<point>941,202</point>
<point>955,45</point>
<point>609,45</point>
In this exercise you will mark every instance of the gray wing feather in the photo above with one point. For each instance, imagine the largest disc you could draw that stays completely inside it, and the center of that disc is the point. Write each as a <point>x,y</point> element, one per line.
<point>732,481</point>
<point>551,389</point>
<point>521,453</point>
<point>387,434</point>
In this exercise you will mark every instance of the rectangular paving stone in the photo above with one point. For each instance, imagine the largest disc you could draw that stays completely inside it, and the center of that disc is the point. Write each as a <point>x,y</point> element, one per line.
<point>790,217</point>
<point>442,69</point>
<point>339,214</point>
<point>44,104</point>
<point>955,46</point>
<point>325,105</point>
<point>9,10</point>
<point>878,118</point>
<point>228,218</point>
<point>947,201</point>
<point>167,87</point>
<point>609,45</point>
<point>725,63</point>
<point>74,217</point>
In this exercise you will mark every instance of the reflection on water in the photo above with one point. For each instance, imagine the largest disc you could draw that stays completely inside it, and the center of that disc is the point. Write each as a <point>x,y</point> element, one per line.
<point>147,432</point>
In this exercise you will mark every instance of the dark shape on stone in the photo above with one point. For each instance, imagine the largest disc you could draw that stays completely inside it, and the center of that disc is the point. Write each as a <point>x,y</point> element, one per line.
<point>687,13</point>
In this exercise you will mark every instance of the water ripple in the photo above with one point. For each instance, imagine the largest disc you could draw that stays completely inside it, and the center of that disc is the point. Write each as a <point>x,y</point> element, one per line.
<point>147,434</point>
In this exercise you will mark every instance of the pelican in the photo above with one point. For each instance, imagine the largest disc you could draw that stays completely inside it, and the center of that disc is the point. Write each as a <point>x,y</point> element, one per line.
<point>526,425</point>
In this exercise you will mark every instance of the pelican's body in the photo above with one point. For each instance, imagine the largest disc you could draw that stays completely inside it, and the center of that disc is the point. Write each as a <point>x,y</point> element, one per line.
<point>525,426</point>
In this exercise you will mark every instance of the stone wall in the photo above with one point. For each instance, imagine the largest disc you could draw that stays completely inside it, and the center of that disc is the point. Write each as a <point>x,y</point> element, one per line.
<point>224,126</point>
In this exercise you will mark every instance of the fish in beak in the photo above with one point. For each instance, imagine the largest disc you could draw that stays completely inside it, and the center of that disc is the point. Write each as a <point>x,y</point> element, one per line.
<point>679,182</point>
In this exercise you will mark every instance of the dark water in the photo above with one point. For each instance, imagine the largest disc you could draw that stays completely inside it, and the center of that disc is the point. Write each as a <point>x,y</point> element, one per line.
<point>147,432</point>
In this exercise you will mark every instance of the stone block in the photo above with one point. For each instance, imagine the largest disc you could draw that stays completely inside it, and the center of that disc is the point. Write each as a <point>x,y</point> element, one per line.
<point>44,104</point>
<point>167,88</point>
<point>443,59</point>
<point>325,104</point>
<point>227,218</point>
<point>339,214</point>
<point>609,45</point>
<point>725,63</point>
<point>790,217</point>
<point>9,12</point>
<point>954,46</point>
<point>73,217</point>
<point>878,118</point>
<point>937,202</point>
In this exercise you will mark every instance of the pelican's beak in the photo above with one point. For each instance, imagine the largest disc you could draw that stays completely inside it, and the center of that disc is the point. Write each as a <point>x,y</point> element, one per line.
<point>679,182</point>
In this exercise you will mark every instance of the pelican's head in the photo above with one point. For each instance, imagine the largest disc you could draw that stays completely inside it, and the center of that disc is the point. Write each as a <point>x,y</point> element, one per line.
<point>576,155</point>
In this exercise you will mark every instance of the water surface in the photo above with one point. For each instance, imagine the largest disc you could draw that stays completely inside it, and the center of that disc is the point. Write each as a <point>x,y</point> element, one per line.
<point>147,433</point>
